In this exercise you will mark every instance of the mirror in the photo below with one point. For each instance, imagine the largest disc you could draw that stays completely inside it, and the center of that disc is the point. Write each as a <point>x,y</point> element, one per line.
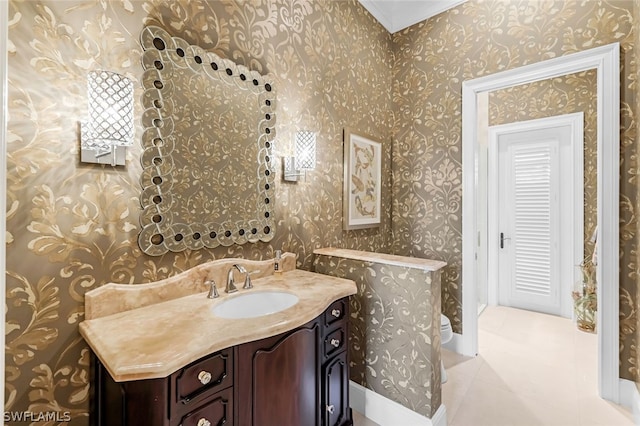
<point>209,126</point>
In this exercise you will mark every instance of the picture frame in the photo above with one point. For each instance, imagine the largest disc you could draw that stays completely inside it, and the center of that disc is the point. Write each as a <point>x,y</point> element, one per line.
<point>362,181</point>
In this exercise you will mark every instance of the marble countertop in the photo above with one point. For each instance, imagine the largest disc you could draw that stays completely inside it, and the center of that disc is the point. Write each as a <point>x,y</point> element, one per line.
<point>389,259</point>
<point>156,340</point>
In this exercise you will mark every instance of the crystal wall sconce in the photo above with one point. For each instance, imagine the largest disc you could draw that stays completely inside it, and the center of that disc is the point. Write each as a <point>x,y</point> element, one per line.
<point>304,158</point>
<point>109,129</point>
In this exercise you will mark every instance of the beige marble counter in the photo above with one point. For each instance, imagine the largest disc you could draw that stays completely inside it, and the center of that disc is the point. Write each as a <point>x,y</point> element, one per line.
<point>389,259</point>
<point>154,341</point>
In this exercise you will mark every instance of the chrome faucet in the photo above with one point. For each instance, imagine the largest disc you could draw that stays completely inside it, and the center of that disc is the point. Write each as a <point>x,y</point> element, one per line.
<point>231,287</point>
<point>213,291</point>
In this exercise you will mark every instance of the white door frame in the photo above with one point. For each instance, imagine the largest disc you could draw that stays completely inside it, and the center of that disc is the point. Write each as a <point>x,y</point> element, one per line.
<point>606,61</point>
<point>4,118</point>
<point>575,122</point>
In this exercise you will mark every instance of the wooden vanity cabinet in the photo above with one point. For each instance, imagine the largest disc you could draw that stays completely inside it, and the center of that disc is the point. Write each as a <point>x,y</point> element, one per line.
<point>297,378</point>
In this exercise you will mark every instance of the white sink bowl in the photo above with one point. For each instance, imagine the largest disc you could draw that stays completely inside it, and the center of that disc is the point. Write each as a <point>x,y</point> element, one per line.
<point>255,304</point>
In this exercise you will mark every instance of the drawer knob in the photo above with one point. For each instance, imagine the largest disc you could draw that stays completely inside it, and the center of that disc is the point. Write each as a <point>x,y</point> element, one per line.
<point>335,342</point>
<point>336,313</point>
<point>204,422</point>
<point>331,409</point>
<point>204,377</point>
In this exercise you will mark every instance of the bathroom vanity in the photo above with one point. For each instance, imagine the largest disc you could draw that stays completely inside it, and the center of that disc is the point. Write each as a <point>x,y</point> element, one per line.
<point>176,362</point>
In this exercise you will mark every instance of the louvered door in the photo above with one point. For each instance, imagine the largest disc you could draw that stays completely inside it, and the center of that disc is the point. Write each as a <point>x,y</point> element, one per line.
<point>529,225</point>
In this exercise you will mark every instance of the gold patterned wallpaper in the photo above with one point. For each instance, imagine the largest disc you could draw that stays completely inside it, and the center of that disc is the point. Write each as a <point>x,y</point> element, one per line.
<point>394,337</point>
<point>632,364</point>
<point>477,38</point>
<point>394,330</point>
<point>73,227</point>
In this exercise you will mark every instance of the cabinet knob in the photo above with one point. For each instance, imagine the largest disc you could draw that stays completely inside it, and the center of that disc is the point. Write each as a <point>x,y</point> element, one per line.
<point>336,313</point>
<point>204,422</point>
<point>335,342</point>
<point>204,377</point>
<point>331,409</point>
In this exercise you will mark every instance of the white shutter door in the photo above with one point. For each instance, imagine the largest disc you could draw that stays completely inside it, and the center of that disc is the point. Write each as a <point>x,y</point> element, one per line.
<point>532,217</point>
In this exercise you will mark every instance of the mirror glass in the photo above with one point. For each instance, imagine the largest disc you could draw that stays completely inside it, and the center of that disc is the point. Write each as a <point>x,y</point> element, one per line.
<point>209,126</point>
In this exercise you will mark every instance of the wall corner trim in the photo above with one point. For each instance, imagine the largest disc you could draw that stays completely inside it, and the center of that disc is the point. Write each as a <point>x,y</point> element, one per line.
<point>386,412</point>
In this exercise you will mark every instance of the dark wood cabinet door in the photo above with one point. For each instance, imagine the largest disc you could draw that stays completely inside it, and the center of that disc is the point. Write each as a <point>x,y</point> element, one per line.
<point>335,392</point>
<point>278,379</point>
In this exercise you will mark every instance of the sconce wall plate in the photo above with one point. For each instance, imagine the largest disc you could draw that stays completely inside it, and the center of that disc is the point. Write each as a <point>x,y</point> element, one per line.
<point>90,155</point>
<point>291,173</point>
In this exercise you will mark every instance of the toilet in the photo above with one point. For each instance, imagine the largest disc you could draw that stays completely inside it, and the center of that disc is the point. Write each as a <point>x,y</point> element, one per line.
<point>446,334</point>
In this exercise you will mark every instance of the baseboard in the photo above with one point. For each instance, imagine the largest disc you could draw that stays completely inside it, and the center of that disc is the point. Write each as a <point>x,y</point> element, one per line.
<point>455,344</point>
<point>386,412</point>
<point>630,397</point>
<point>627,393</point>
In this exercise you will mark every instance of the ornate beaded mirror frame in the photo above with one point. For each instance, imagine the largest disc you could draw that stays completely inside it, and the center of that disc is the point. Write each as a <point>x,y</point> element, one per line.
<point>209,126</point>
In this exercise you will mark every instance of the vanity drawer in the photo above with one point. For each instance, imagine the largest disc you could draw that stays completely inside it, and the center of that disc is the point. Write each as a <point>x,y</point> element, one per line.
<point>335,342</point>
<point>216,411</point>
<point>210,374</point>
<point>337,311</point>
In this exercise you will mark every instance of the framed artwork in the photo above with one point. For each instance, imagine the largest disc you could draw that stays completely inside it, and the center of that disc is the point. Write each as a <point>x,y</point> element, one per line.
<point>362,181</point>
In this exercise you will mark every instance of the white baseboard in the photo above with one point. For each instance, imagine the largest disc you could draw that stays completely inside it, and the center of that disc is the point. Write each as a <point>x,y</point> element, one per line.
<point>386,412</point>
<point>455,344</point>
<point>630,397</point>
<point>627,392</point>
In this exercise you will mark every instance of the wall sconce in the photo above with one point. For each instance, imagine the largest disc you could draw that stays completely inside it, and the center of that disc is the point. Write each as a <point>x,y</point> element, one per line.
<point>109,129</point>
<point>304,158</point>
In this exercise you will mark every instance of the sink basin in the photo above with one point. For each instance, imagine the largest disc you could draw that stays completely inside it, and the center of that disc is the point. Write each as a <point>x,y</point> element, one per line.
<point>255,304</point>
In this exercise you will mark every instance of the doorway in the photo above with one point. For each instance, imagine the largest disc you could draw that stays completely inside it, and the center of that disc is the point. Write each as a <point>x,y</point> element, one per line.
<point>606,61</point>
<point>536,212</point>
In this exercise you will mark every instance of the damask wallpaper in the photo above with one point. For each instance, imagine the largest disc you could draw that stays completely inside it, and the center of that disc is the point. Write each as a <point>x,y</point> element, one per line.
<point>394,346</point>
<point>477,38</point>
<point>73,227</point>
<point>635,328</point>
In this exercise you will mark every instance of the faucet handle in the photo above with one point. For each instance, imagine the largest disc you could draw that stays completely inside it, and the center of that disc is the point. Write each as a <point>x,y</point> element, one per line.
<point>247,281</point>
<point>213,291</point>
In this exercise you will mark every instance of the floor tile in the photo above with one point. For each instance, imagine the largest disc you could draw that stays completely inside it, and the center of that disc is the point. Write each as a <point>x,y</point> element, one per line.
<point>360,420</point>
<point>533,369</point>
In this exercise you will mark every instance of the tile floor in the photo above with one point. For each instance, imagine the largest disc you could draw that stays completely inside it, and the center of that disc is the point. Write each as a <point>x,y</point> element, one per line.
<point>533,369</point>
<point>360,420</point>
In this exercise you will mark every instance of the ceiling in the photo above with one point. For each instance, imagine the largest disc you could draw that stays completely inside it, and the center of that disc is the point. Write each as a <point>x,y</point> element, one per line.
<point>396,15</point>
